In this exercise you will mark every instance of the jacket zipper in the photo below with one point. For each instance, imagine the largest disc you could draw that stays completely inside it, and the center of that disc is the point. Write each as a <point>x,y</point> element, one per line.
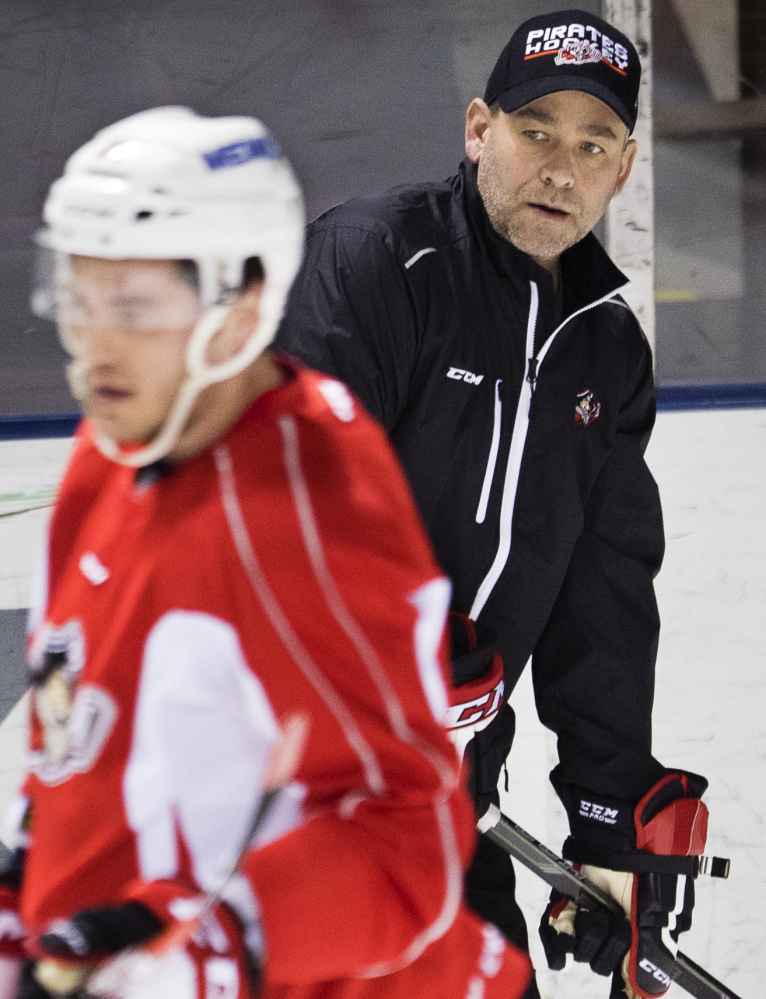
<point>518,440</point>
<point>489,475</point>
<point>532,365</point>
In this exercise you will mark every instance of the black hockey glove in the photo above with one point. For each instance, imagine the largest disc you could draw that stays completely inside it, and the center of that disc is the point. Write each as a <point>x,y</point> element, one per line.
<point>171,912</point>
<point>71,949</point>
<point>595,937</point>
<point>94,934</point>
<point>652,882</point>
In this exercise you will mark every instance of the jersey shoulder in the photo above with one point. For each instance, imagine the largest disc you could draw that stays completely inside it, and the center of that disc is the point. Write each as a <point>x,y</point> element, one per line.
<point>337,457</point>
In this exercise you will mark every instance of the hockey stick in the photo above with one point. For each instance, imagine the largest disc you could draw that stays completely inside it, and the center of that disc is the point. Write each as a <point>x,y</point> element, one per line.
<point>563,877</point>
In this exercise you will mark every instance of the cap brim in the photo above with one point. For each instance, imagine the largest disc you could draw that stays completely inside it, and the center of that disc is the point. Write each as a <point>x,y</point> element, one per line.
<point>524,93</point>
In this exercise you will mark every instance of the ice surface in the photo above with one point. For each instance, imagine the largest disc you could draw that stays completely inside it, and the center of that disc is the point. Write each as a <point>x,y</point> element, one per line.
<point>710,703</point>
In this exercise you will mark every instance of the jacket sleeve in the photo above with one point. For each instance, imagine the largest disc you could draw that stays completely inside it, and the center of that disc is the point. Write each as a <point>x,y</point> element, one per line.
<point>593,667</point>
<point>351,315</point>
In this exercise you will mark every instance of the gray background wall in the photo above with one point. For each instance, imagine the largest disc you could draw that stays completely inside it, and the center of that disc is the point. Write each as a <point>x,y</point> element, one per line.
<point>362,95</point>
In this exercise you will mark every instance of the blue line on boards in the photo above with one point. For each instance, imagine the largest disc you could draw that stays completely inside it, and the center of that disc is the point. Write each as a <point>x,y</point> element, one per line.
<point>670,398</point>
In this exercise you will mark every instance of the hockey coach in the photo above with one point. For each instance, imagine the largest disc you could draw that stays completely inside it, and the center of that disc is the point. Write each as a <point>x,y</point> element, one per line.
<point>481,322</point>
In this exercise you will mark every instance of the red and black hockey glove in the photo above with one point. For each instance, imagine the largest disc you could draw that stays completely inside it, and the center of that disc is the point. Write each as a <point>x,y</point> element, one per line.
<point>160,917</point>
<point>654,884</point>
<point>476,698</point>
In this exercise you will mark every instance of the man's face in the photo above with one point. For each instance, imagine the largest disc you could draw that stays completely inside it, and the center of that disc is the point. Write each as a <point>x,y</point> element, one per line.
<point>548,170</point>
<point>127,324</point>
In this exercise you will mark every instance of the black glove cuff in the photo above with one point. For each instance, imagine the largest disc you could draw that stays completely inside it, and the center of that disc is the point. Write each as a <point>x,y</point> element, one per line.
<point>101,931</point>
<point>610,823</point>
<point>605,822</point>
<point>633,861</point>
<point>13,872</point>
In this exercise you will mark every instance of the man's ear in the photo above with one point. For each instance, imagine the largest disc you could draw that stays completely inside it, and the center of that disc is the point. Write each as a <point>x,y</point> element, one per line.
<point>626,165</point>
<point>246,313</point>
<point>238,325</point>
<point>477,119</point>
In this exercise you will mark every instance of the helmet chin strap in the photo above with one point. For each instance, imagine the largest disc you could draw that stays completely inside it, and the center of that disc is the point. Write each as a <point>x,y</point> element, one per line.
<point>200,374</point>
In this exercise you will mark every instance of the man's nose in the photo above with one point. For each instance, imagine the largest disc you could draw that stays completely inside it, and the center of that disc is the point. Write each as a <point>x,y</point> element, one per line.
<point>558,169</point>
<point>97,345</point>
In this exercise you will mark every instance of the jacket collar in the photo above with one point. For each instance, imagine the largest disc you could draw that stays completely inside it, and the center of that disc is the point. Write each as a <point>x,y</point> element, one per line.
<point>588,274</point>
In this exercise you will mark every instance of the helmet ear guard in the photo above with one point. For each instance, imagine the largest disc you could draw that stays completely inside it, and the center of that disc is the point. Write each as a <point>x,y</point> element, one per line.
<point>169,184</point>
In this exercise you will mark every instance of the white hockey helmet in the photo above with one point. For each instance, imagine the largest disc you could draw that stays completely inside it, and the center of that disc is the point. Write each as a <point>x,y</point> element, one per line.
<point>170,184</point>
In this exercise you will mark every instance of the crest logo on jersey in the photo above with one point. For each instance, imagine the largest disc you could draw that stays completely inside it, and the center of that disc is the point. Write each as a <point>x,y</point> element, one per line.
<point>577,52</point>
<point>75,720</point>
<point>587,409</point>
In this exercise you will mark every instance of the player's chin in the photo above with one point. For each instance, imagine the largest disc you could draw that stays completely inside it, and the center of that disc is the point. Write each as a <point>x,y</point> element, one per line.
<point>121,427</point>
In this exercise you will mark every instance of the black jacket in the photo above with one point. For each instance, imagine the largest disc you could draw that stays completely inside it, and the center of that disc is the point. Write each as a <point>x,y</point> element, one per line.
<point>524,442</point>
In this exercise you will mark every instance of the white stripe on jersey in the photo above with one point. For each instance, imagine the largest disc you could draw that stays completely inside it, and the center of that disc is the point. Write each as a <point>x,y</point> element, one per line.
<point>282,626</point>
<point>446,769</point>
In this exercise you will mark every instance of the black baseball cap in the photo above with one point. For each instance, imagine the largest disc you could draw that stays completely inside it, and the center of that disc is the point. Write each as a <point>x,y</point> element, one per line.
<point>567,50</point>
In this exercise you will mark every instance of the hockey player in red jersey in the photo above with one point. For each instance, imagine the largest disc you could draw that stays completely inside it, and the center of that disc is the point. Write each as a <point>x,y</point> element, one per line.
<point>233,545</point>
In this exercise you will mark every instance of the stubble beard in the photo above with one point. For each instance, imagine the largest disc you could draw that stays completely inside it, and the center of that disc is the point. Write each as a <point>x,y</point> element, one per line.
<point>514,221</point>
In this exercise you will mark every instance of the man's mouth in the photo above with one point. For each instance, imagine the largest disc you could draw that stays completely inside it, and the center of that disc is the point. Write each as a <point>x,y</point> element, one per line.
<point>549,211</point>
<point>111,393</point>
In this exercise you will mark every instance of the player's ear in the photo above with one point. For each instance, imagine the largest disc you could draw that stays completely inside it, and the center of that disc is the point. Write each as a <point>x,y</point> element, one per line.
<point>238,326</point>
<point>626,165</point>
<point>249,298</point>
<point>246,312</point>
<point>477,119</point>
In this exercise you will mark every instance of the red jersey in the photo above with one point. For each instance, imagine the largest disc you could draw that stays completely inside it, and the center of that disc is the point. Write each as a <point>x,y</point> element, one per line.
<point>282,569</point>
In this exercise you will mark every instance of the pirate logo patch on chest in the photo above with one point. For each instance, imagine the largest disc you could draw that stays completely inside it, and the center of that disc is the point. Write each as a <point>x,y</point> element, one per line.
<point>587,409</point>
<point>71,721</point>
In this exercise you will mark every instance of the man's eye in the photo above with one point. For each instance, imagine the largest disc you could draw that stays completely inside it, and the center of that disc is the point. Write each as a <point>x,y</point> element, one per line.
<point>591,147</point>
<point>130,317</point>
<point>535,135</point>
